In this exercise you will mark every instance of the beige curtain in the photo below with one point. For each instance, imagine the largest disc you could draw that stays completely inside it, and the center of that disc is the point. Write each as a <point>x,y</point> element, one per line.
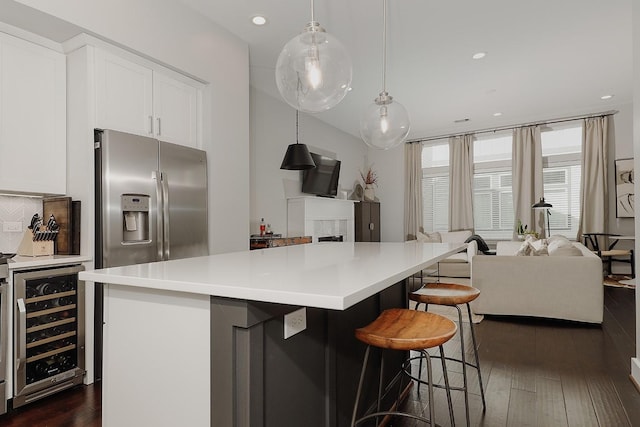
<point>412,190</point>
<point>461,182</point>
<point>594,208</point>
<point>527,178</point>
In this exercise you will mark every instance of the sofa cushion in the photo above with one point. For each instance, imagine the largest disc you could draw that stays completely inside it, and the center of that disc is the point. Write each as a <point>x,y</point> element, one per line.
<point>455,236</point>
<point>428,237</point>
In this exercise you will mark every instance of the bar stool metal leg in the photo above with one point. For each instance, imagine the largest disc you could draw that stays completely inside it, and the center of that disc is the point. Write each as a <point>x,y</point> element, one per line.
<point>475,352</point>
<point>447,387</point>
<point>464,366</point>
<point>362,372</point>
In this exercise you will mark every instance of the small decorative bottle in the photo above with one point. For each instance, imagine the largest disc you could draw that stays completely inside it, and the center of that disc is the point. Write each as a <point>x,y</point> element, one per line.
<point>262,227</point>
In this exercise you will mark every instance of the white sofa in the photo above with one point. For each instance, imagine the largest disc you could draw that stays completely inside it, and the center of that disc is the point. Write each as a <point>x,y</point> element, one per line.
<point>552,286</point>
<point>458,265</point>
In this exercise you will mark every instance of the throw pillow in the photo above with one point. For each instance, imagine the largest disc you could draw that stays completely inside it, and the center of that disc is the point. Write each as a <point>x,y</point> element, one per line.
<point>525,249</point>
<point>455,236</point>
<point>428,237</point>
<point>562,247</point>
<point>557,237</point>
<point>542,248</point>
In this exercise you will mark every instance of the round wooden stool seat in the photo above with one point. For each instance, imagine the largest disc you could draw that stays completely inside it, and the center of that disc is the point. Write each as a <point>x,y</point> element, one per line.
<point>444,294</point>
<point>403,329</point>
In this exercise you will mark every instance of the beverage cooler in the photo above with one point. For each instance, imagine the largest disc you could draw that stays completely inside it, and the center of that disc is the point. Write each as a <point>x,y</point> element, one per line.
<point>48,332</point>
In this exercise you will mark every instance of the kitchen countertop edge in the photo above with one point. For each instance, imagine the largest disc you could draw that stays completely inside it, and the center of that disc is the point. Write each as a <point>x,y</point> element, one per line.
<point>22,262</point>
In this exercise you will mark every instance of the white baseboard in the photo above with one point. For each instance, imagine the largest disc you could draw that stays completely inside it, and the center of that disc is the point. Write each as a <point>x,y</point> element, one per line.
<point>635,372</point>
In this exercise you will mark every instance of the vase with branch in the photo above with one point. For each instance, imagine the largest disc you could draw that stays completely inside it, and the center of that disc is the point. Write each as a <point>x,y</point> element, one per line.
<point>370,180</point>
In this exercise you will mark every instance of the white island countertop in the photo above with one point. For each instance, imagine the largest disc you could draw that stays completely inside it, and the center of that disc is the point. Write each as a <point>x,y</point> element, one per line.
<point>323,275</point>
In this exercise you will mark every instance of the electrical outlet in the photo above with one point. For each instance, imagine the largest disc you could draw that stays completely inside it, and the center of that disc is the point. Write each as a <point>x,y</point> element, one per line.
<point>12,226</point>
<point>295,322</point>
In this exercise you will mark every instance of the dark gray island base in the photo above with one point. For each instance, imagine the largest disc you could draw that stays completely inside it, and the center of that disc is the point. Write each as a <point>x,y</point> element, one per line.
<point>308,379</point>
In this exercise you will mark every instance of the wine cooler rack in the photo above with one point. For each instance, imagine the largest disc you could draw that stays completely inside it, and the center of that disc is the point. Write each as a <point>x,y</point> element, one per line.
<point>49,332</point>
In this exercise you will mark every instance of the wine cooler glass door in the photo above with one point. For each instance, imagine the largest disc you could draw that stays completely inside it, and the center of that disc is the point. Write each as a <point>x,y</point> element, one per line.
<point>49,326</point>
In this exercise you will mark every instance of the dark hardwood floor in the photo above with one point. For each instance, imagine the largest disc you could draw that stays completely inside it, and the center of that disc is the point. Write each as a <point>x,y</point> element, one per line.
<point>548,373</point>
<point>536,373</point>
<point>77,407</point>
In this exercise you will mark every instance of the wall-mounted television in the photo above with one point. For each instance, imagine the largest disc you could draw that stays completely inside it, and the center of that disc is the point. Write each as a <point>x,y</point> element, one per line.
<point>323,179</point>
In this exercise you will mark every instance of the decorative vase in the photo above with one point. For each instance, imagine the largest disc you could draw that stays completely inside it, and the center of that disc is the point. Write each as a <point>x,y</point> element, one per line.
<point>369,193</point>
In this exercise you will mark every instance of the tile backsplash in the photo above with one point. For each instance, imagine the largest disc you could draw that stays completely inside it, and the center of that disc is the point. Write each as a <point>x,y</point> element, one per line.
<point>16,209</point>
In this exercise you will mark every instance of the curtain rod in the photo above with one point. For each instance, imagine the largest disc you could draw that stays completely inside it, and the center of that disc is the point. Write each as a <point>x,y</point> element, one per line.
<point>498,129</point>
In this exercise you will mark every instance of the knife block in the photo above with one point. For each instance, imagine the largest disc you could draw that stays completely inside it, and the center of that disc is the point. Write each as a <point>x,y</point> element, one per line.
<point>29,247</point>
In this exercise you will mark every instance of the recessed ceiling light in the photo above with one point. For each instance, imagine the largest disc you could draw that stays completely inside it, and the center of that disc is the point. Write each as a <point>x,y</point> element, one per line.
<point>497,114</point>
<point>479,55</point>
<point>259,20</point>
<point>606,97</point>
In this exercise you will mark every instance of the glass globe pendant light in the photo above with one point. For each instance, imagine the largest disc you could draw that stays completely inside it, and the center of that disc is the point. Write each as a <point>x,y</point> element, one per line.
<point>385,123</point>
<point>313,71</point>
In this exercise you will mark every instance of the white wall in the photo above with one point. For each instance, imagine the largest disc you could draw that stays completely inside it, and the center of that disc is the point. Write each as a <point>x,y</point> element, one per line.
<point>273,128</point>
<point>389,166</point>
<point>168,32</point>
<point>623,149</point>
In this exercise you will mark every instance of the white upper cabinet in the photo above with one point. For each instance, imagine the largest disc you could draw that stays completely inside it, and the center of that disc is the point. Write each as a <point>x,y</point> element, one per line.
<point>123,95</point>
<point>175,108</point>
<point>136,99</point>
<point>32,118</point>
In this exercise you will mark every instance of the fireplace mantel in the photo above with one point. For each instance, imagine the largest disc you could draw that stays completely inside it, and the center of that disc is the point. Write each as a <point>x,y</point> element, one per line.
<point>320,217</point>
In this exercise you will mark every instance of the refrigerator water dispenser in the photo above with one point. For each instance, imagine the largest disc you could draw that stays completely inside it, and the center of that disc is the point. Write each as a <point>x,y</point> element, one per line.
<point>135,218</point>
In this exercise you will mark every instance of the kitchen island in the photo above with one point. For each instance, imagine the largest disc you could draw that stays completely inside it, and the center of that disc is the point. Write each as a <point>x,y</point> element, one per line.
<point>199,341</point>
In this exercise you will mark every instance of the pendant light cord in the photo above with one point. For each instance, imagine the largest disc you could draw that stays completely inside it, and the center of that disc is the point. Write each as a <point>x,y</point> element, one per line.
<point>312,14</point>
<point>296,126</point>
<point>384,45</point>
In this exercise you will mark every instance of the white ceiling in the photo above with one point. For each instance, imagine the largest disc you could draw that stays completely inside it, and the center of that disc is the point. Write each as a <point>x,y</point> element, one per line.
<point>545,59</point>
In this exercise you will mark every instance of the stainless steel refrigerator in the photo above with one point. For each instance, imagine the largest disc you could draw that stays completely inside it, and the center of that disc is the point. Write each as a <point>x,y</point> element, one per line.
<point>151,204</point>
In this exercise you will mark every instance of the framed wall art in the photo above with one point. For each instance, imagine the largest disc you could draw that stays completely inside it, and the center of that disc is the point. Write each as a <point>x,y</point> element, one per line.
<point>624,189</point>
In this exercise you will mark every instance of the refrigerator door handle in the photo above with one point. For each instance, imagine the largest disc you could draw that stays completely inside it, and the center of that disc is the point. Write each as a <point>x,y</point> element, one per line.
<point>21,333</point>
<point>165,217</point>
<point>157,176</point>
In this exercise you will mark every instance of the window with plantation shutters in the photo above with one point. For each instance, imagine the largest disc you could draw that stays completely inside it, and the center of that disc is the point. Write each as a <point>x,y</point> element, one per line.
<point>561,151</point>
<point>492,183</point>
<point>492,199</point>
<point>435,187</point>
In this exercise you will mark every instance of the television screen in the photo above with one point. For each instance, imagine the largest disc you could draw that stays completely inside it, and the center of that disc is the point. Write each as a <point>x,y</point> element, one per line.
<point>323,179</point>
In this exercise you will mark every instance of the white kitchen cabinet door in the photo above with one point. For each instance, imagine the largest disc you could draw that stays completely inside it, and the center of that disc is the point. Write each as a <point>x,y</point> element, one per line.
<point>32,118</point>
<point>175,109</point>
<point>123,95</point>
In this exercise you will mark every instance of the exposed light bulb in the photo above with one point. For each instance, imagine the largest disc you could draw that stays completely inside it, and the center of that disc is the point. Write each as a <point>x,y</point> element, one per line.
<point>384,123</point>
<point>312,68</point>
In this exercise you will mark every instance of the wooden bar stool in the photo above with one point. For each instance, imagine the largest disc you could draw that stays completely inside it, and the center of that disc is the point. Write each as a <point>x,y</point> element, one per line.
<point>404,329</point>
<point>454,295</point>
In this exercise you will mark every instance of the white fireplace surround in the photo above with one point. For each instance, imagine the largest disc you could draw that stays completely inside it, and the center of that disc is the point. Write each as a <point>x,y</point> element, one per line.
<point>320,217</point>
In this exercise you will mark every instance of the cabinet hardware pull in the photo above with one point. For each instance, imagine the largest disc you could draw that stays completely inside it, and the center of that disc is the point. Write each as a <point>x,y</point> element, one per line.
<point>150,125</point>
<point>159,128</point>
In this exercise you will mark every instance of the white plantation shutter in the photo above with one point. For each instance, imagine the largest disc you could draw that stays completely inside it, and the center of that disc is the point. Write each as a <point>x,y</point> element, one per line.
<point>493,204</point>
<point>562,190</point>
<point>435,197</point>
